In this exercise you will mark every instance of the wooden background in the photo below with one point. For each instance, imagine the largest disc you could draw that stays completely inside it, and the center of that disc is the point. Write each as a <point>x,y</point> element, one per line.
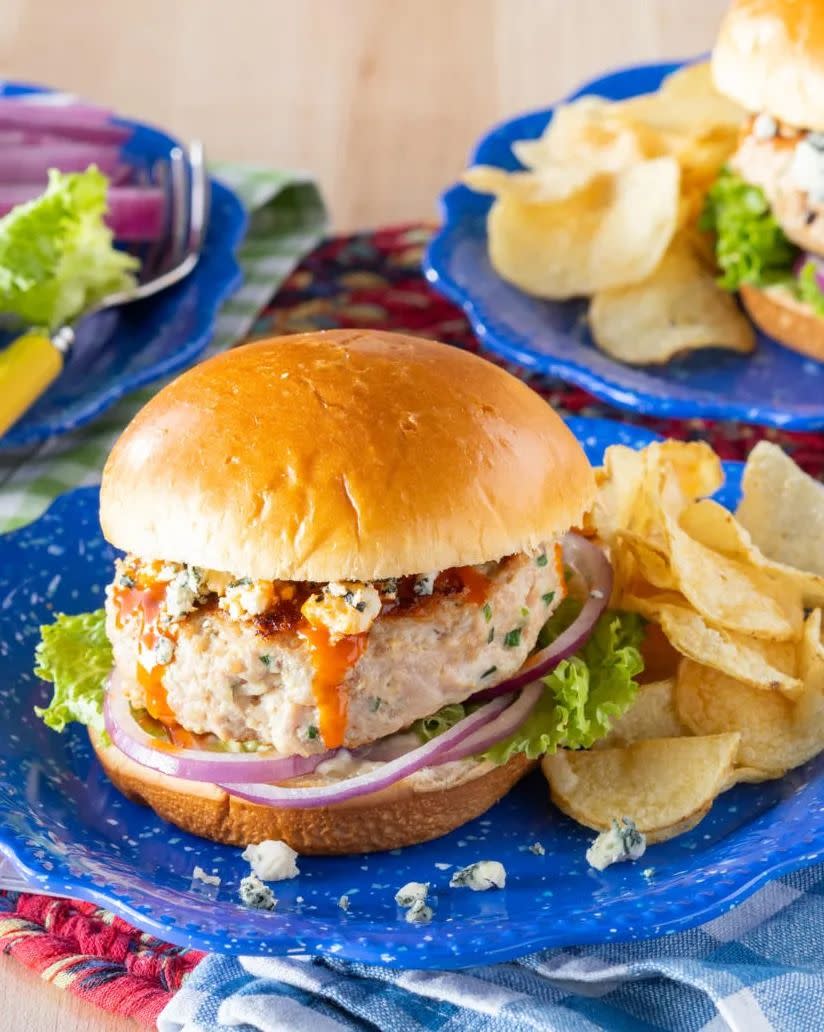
<point>380,99</point>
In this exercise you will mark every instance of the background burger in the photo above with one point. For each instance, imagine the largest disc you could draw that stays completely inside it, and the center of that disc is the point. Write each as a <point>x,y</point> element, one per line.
<point>344,574</point>
<point>767,207</point>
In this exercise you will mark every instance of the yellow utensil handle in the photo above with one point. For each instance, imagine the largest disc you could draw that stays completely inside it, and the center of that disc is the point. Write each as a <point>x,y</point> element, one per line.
<point>27,367</point>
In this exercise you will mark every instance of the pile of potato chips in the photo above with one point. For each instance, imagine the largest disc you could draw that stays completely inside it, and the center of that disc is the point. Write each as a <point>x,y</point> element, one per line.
<point>734,640</point>
<point>608,209</point>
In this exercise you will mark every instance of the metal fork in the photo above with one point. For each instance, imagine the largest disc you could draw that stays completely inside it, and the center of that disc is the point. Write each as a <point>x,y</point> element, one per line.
<point>32,362</point>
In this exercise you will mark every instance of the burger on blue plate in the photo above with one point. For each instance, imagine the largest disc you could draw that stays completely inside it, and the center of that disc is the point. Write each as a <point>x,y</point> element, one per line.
<point>767,206</point>
<point>348,610</point>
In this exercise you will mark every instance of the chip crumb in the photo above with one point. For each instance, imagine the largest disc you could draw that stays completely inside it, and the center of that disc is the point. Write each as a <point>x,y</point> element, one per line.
<point>202,876</point>
<point>537,848</point>
<point>343,903</point>
<point>648,872</point>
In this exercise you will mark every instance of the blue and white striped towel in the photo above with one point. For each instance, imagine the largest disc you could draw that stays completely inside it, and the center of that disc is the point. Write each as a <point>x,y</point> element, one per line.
<point>758,968</point>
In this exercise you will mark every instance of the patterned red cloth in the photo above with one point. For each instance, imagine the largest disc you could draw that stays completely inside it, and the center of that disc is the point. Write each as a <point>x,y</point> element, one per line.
<point>95,955</point>
<point>364,280</point>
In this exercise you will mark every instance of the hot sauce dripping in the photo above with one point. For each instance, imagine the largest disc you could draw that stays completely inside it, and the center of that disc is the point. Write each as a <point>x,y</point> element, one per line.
<point>331,660</point>
<point>144,600</point>
<point>476,584</point>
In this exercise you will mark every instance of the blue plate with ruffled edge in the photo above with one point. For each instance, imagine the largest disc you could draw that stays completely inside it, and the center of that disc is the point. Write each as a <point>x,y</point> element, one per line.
<point>120,350</point>
<point>65,828</point>
<point>773,386</point>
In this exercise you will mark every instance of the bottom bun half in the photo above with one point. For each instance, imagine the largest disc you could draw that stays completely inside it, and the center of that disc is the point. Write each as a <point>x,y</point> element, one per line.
<point>402,815</point>
<point>791,322</point>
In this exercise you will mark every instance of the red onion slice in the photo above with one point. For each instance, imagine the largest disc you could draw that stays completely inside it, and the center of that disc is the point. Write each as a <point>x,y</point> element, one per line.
<point>194,764</point>
<point>499,728</point>
<point>593,567</point>
<point>428,755</point>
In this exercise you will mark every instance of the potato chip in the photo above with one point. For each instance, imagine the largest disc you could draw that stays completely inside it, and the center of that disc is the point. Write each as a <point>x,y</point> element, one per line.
<point>592,239</point>
<point>650,563</point>
<point>678,308</point>
<point>652,715</point>
<point>783,509</point>
<point>716,527</point>
<point>730,594</point>
<point>686,104</point>
<point>583,139</point>
<point>777,733</point>
<point>766,665</point>
<point>665,785</point>
<point>618,480</point>
<point>752,776</point>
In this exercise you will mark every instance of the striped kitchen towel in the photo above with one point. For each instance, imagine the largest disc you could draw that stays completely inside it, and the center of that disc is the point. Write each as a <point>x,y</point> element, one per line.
<point>758,968</point>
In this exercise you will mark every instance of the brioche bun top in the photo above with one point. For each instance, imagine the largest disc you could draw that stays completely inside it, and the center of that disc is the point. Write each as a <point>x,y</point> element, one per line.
<point>770,57</point>
<point>344,455</point>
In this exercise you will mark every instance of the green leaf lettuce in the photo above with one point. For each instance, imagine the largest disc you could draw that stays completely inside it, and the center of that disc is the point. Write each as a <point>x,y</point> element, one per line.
<point>76,656</point>
<point>56,253</point>
<point>750,245</point>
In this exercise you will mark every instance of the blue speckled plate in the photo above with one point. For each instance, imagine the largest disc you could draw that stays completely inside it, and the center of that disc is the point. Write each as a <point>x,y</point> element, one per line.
<point>120,350</point>
<point>774,386</point>
<point>65,827</point>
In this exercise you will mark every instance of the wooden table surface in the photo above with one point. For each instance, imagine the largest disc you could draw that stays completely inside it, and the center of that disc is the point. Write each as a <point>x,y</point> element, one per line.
<point>380,99</point>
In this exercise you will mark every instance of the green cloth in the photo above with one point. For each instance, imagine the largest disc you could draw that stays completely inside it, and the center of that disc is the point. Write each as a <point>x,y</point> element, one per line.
<point>286,220</point>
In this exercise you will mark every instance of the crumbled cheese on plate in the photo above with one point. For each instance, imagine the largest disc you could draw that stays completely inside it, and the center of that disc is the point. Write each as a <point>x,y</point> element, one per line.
<point>255,894</point>
<point>623,841</point>
<point>485,874</point>
<point>272,860</point>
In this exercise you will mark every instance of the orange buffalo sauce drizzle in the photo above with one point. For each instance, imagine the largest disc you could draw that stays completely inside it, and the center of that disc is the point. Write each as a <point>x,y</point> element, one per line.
<point>145,600</point>
<point>331,660</point>
<point>476,585</point>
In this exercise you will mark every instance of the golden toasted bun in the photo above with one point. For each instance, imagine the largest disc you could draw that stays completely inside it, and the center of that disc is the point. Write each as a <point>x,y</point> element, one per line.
<point>398,816</point>
<point>790,321</point>
<point>346,455</point>
<point>770,57</point>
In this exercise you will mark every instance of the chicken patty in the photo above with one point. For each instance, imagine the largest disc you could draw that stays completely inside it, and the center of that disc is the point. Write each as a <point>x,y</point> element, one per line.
<point>245,680</point>
<point>789,168</point>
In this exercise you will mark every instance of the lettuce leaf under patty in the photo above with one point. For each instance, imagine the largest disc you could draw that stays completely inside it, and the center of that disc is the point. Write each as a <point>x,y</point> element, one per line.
<point>582,696</point>
<point>76,656</point>
<point>751,247</point>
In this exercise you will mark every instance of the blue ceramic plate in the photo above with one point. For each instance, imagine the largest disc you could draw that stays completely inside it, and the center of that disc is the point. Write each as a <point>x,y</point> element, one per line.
<point>774,386</point>
<point>120,350</point>
<point>65,827</point>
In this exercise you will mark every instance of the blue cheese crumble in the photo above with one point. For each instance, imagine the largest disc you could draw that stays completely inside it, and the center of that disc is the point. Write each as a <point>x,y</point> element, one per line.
<point>412,892</point>
<point>485,874</point>
<point>272,860</point>
<point>412,897</point>
<point>253,893</point>
<point>623,841</point>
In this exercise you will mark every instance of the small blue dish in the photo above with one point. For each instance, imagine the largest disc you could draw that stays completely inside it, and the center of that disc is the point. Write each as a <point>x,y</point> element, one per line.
<point>120,350</point>
<point>774,386</point>
<point>69,832</point>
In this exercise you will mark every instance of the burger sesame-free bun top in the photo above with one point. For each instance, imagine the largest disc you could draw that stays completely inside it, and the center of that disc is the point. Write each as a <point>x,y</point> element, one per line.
<point>770,57</point>
<point>345,455</point>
